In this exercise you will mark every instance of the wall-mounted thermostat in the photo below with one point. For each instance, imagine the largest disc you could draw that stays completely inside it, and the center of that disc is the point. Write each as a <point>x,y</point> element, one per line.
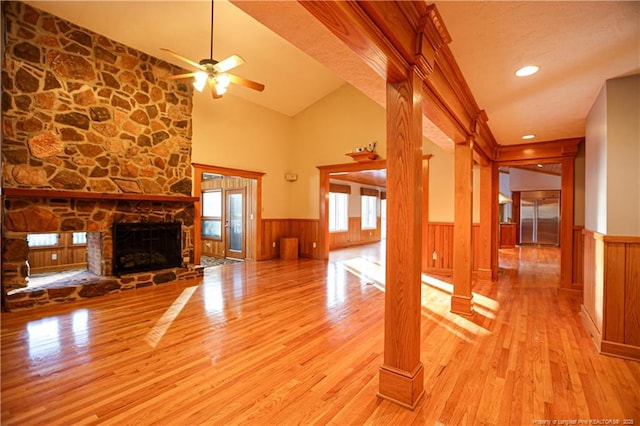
<point>290,177</point>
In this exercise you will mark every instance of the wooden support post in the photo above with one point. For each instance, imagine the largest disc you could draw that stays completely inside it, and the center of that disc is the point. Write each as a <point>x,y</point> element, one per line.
<point>461,300</point>
<point>402,374</point>
<point>566,221</point>
<point>488,250</point>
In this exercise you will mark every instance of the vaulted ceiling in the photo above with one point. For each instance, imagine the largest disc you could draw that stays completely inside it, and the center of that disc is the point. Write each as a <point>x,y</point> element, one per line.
<point>578,45</point>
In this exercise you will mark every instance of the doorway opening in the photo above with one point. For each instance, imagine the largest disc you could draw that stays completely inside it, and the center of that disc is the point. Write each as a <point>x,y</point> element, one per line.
<point>531,208</point>
<point>227,215</point>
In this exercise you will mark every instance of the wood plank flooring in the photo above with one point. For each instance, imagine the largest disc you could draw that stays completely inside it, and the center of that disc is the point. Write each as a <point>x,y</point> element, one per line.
<point>300,342</point>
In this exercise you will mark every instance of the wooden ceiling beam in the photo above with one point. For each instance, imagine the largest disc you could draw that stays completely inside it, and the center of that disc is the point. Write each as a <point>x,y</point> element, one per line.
<point>392,37</point>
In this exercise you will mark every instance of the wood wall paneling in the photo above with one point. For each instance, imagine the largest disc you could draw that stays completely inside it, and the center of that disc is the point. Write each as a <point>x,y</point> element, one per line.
<point>354,235</point>
<point>614,271</point>
<point>306,230</point>
<point>211,247</point>
<point>632,296</point>
<point>440,240</point>
<point>611,310</point>
<point>67,256</point>
<point>578,256</point>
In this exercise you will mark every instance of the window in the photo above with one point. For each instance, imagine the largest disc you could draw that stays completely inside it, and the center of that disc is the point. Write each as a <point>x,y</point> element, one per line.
<point>369,212</point>
<point>369,204</point>
<point>338,212</point>
<point>42,240</point>
<point>212,214</point>
<point>79,238</point>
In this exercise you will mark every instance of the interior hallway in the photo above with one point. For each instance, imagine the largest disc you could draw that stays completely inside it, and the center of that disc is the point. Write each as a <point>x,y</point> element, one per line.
<point>300,341</point>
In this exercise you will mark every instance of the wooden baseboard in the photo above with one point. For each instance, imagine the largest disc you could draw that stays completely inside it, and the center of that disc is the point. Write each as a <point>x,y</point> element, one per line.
<point>620,350</point>
<point>591,327</point>
<point>439,271</point>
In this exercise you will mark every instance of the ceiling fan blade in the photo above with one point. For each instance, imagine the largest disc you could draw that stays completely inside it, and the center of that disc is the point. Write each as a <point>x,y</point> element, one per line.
<point>246,83</point>
<point>214,92</point>
<point>229,63</point>
<point>182,58</point>
<point>179,76</point>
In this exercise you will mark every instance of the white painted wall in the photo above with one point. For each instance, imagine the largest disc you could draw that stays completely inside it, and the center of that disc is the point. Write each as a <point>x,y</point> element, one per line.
<point>612,159</point>
<point>323,134</point>
<point>231,132</point>
<point>525,180</point>
<point>595,198</point>
<point>623,156</point>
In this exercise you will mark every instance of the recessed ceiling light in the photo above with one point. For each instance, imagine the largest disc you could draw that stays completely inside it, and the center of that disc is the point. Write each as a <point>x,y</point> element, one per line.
<point>539,166</point>
<point>528,137</point>
<point>527,70</point>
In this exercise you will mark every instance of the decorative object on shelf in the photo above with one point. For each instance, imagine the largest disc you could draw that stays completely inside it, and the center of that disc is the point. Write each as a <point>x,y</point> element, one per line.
<point>366,153</point>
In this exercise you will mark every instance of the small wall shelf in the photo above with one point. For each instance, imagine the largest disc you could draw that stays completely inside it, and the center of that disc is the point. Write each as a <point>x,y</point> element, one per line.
<point>362,156</point>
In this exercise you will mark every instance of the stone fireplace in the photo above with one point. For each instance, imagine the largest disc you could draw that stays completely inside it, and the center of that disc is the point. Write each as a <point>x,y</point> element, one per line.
<point>91,136</point>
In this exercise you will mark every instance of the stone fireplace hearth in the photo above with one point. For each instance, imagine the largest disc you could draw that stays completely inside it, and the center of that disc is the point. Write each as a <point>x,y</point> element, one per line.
<point>91,135</point>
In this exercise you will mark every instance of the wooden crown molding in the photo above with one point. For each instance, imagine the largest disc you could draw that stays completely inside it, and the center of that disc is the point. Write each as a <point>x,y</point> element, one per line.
<point>538,151</point>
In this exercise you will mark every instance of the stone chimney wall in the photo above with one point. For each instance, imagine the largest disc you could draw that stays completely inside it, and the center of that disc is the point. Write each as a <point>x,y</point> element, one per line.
<point>81,112</point>
<point>89,117</point>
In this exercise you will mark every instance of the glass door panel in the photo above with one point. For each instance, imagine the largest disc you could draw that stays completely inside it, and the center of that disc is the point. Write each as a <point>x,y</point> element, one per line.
<point>235,224</point>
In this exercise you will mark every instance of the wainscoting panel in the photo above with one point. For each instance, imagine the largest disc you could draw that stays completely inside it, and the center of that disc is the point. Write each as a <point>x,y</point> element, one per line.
<point>611,310</point>
<point>306,230</point>
<point>578,256</point>
<point>354,235</point>
<point>439,244</point>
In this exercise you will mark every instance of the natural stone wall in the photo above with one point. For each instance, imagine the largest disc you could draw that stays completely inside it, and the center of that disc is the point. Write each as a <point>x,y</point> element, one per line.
<point>81,112</point>
<point>85,114</point>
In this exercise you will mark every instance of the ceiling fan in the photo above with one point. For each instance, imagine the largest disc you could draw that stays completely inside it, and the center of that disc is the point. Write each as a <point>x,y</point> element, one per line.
<point>213,72</point>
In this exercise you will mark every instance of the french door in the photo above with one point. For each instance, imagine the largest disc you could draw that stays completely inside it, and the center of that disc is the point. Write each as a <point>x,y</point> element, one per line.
<point>235,223</point>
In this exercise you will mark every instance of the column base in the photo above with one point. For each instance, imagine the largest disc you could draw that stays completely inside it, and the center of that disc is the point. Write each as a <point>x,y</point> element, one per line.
<point>401,389</point>
<point>462,305</point>
<point>484,274</point>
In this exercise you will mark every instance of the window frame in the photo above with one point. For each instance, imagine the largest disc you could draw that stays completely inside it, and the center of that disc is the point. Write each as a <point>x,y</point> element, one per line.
<point>340,222</point>
<point>366,202</point>
<point>213,218</point>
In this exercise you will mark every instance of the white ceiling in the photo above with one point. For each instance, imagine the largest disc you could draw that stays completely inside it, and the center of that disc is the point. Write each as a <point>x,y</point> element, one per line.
<point>578,45</point>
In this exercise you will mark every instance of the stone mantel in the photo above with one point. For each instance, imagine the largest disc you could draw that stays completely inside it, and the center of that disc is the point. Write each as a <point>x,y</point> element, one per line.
<point>46,193</point>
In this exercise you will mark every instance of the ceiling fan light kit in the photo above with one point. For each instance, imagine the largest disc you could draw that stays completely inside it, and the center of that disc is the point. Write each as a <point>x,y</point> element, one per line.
<point>213,72</point>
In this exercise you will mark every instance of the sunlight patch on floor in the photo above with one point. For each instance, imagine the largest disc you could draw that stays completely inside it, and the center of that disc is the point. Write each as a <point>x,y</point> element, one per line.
<point>161,326</point>
<point>371,272</point>
<point>482,304</point>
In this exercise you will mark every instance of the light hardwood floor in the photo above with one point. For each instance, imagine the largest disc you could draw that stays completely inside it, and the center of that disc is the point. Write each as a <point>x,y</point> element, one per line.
<point>300,342</point>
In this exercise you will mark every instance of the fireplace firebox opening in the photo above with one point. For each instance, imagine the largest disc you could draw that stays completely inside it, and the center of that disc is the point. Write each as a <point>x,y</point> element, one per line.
<point>146,246</point>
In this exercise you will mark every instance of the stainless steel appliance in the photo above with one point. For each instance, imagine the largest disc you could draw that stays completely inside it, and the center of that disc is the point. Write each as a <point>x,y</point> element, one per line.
<point>540,217</point>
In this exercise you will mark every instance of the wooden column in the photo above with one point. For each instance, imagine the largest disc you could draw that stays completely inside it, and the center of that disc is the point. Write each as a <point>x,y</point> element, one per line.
<point>566,228</point>
<point>426,256</point>
<point>488,250</point>
<point>402,374</point>
<point>461,300</point>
